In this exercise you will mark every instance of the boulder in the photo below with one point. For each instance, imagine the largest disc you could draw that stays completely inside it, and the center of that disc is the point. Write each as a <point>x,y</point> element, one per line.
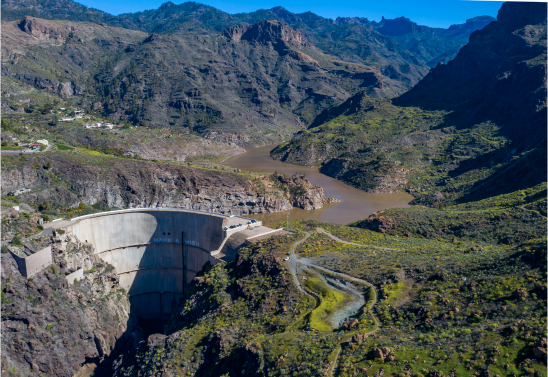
<point>350,324</point>
<point>359,338</point>
<point>539,351</point>
<point>520,292</point>
<point>381,353</point>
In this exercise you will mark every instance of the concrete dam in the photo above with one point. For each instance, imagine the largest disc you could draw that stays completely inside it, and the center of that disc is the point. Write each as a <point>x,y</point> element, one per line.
<point>157,252</point>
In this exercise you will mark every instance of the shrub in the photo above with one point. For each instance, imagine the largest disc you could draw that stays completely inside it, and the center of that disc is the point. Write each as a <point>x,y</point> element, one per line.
<point>16,241</point>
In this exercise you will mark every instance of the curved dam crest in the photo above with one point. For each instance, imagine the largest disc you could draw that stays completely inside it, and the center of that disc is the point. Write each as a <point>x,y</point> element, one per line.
<point>156,252</point>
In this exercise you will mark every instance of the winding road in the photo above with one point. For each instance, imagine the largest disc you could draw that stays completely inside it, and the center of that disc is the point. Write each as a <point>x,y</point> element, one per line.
<point>292,264</point>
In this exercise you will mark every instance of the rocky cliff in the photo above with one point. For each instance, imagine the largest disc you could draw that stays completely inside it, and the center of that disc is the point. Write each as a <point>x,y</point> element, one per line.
<point>267,31</point>
<point>499,76</point>
<point>44,30</point>
<point>52,328</point>
<point>124,183</point>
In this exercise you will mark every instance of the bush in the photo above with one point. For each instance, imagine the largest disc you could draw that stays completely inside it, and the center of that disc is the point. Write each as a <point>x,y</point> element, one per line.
<point>5,249</point>
<point>16,241</point>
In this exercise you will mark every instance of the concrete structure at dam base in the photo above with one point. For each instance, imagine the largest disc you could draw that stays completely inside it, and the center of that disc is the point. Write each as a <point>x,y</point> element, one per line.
<point>30,265</point>
<point>157,252</point>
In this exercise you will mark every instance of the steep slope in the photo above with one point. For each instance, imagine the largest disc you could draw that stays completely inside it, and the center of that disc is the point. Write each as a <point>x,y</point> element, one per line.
<point>60,56</point>
<point>261,86</point>
<point>190,17</point>
<point>270,82</point>
<point>175,76</point>
<point>51,328</point>
<point>477,122</point>
<point>13,10</point>
<point>106,181</point>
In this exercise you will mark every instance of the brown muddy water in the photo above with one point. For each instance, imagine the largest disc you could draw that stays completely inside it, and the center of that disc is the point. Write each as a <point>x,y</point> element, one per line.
<point>354,204</point>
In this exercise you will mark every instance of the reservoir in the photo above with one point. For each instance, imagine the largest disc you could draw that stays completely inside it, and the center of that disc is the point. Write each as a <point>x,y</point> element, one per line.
<point>354,204</point>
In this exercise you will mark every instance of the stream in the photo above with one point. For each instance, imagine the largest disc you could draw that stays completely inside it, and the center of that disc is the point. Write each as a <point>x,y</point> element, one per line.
<point>354,204</point>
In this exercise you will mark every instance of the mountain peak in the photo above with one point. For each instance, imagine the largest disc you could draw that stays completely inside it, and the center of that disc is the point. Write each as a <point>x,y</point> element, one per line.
<point>167,5</point>
<point>399,26</point>
<point>517,15</point>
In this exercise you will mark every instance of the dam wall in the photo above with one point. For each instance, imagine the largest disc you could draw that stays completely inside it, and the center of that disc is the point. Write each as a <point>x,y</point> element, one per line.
<point>156,252</point>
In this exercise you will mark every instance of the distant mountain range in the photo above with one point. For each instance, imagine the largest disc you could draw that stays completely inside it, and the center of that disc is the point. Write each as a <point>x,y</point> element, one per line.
<point>170,67</point>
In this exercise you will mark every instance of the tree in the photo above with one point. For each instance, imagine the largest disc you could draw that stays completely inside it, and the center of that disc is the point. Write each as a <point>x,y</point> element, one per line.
<point>54,120</point>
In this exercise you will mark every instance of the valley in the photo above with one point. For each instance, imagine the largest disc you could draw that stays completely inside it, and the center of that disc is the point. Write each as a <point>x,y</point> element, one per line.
<point>191,192</point>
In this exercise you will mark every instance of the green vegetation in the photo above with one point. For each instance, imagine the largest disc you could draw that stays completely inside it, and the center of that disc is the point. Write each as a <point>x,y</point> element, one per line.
<point>331,300</point>
<point>16,241</point>
<point>62,147</point>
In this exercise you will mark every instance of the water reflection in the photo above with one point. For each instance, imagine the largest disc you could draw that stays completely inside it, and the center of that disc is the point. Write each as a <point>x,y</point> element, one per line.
<point>354,205</point>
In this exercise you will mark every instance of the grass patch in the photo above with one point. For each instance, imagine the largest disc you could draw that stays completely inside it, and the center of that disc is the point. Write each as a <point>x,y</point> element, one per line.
<point>331,301</point>
<point>62,147</point>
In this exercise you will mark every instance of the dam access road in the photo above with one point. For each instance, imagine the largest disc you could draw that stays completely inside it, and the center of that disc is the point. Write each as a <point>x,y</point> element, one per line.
<point>156,252</point>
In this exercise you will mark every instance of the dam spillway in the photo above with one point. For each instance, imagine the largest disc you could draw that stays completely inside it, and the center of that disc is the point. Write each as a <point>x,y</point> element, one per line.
<point>156,252</point>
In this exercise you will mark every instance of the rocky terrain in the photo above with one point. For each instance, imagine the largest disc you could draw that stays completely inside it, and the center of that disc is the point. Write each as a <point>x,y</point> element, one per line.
<point>69,182</point>
<point>150,144</point>
<point>431,45</point>
<point>454,285</point>
<point>302,193</point>
<point>55,329</point>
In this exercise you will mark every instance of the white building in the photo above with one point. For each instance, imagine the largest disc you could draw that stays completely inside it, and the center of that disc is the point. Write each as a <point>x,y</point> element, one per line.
<point>43,141</point>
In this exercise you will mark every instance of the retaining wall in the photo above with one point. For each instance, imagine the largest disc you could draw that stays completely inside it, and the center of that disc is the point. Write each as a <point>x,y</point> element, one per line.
<point>78,274</point>
<point>34,263</point>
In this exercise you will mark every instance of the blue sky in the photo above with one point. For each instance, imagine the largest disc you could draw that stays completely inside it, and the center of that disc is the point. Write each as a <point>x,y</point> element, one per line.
<point>436,13</point>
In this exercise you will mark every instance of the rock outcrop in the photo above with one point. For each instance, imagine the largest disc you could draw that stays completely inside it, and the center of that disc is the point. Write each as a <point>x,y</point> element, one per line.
<point>44,30</point>
<point>370,179</point>
<point>303,194</point>
<point>378,223</point>
<point>267,31</point>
